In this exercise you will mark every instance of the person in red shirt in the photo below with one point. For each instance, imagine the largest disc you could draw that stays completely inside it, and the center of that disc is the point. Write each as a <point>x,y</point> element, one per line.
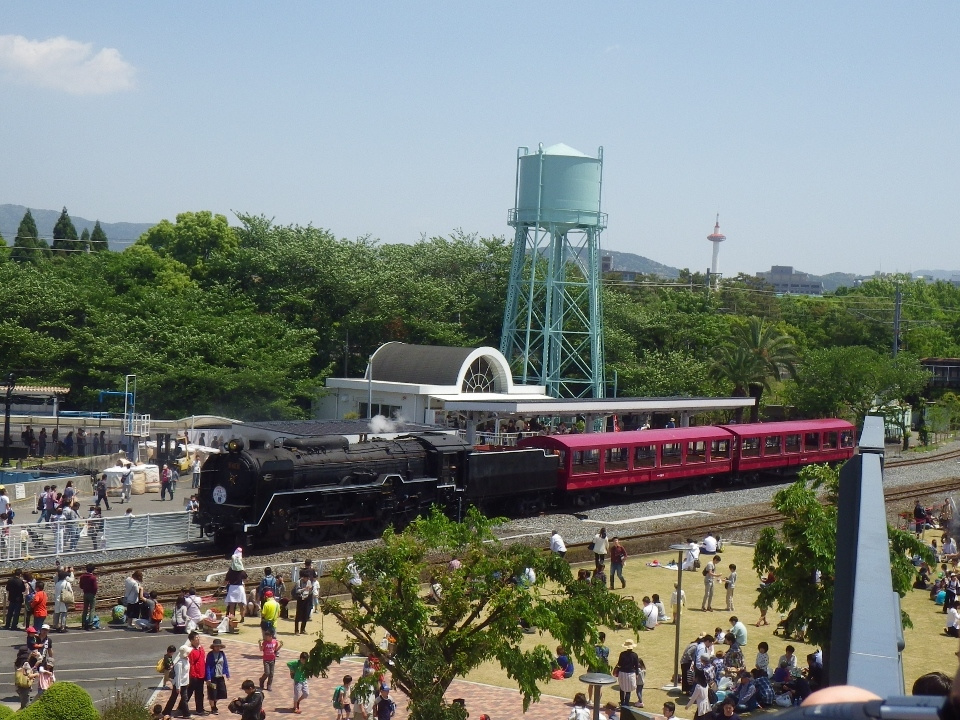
<point>88,583</point>
<point>198,672</point>
<point>618,555</point>
<point>39,606</point>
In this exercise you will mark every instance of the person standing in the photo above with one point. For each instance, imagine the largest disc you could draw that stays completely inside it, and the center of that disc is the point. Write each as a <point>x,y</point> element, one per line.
<point>618,556</point>
<point>165,482</point>
<point>81,442</point>
<point>196,471</point>
<point>181,679</point>
<point>269,612</point>
<point>270,647</point>
<point>133,596</point>
<point>678,599</point>
<point>709,576</point>
<point>198,672</point>
<point>63,598</point>
<point>38,607</point>
<point>236,594</point>
<point>298,673</point>
<point>600,548</point>
<point>16,589</point>
<point>383,707</point>
<point>101,490</point>
<point>626,670</point>
<point>90,586</point>
<point>730,583</point>
<point>304,598</point>
<point>42,442</point>
<point>218,672</point>
<point>126,484</point>
<point>174,479</point>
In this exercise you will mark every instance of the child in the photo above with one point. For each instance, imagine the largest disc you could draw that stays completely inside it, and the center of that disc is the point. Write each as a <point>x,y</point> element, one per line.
<point>298,673</point>
<point>24,678</point>
<point>166,662</point>
<point>763,658</point>
<point>218,671</point>
<point>45,676</point>
<point>157,712</point>
<point>719,664</point>
<point>341,699</point>
<point>270,647</point>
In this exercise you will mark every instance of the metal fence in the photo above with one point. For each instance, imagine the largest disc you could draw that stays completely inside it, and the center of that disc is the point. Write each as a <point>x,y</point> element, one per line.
<point>52,539</point>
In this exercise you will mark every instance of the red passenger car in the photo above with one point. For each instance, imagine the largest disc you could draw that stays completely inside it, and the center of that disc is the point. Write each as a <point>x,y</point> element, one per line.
<point>648,458</point>
<point>644,461</point>
<point>782,446</point>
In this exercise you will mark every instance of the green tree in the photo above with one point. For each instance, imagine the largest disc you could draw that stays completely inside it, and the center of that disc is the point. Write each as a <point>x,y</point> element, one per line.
<point>478,617</point>
<point>806,545</point>
<point>98,239</point>
<point>27,246</point>
<point>193,240</point>
<point>84,239</point>
<point>65,239</point>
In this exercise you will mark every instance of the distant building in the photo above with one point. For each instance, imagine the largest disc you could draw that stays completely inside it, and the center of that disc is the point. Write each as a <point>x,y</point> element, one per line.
<point>945,372</point>
<point>787,281</point>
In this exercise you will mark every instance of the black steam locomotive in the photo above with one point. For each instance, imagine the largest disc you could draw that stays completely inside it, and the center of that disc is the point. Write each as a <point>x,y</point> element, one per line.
<point>323,489</point>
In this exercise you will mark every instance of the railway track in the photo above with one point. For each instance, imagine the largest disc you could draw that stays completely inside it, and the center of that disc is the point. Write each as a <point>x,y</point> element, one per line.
<point>951,455</point>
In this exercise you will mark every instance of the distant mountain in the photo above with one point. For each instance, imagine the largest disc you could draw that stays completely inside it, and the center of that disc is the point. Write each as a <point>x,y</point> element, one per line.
<point>119,234</point>
<point>628,262</point>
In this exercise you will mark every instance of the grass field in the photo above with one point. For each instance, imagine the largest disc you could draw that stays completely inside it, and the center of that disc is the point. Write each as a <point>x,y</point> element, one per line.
<point>927,647</point>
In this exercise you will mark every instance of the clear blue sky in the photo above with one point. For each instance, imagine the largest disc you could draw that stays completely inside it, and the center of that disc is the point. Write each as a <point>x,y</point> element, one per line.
<point>824,133</point>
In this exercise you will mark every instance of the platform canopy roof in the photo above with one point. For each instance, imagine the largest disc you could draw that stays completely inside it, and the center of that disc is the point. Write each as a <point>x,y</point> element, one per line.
<point>591,406</point>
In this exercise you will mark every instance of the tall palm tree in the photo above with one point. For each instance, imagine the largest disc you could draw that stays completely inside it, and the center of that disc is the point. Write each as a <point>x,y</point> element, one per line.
<point>755,355</point>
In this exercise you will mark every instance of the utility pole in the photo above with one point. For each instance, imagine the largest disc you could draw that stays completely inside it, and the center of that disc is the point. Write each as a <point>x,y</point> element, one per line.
<point>896,320</point>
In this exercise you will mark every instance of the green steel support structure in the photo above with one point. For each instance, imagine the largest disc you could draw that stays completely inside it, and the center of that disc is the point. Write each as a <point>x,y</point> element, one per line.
<point>553,320</point>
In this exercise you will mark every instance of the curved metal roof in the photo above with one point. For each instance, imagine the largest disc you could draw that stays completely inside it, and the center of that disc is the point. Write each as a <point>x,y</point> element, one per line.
<point>419,364</point>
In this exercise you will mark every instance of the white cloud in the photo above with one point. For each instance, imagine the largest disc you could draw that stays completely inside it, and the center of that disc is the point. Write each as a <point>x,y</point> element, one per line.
<point>64,64</point>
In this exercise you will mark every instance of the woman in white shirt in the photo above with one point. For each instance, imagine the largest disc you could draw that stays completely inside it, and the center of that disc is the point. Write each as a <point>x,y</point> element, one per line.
<point>61,604</point>
<point>953,620</point>
<point>700,697</point>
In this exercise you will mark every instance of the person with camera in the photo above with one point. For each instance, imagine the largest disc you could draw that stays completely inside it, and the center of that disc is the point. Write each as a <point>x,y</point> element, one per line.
<point>250,706</point>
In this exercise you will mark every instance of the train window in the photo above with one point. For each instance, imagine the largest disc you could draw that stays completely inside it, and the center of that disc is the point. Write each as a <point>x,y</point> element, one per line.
<point>586,461</point>
<point>670,454</point>
<point>846,439</point>
<point>645,456</point>
<point>793,443</point>
<point>750,447</point>
<point>696,451</point>
<point>829,441</point>
<point>772,445</point>
<point>720,450</point>
<point>615,459</point>
<point>563,456</point>
<point>811,441</point>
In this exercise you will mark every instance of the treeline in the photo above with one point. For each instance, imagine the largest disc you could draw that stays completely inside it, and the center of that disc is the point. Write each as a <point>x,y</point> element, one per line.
<point>248,321</point>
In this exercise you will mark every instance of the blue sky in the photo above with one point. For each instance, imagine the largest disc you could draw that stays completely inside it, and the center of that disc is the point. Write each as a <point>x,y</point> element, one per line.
<point>824,133</point>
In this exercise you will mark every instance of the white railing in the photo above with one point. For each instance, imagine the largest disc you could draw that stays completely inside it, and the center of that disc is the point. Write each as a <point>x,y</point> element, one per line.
<point>52,539</point>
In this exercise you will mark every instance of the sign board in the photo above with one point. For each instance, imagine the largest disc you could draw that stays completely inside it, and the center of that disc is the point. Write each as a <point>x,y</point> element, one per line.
<point>19,491</point>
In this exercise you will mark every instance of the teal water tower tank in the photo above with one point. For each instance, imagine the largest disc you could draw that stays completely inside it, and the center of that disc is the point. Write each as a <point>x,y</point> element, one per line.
<point>560,186</point>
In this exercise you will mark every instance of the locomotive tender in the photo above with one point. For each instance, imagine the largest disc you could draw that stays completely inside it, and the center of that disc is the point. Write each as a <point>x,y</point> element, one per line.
<point>324,489</point>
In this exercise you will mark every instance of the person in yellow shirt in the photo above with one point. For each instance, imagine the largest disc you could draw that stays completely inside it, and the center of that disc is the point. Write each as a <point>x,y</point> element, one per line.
<point>269,612</point>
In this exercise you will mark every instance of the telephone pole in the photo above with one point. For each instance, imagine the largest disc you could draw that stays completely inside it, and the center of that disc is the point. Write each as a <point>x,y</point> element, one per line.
<point>898,300</point>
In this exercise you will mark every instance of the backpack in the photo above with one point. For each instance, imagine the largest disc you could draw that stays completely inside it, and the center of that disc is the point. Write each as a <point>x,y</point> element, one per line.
<point>40,504</point>
<point>162,664</point>
<point>157,614</point>
<point>338,697</point>
<point>704,572</point>
<point>269,582</point>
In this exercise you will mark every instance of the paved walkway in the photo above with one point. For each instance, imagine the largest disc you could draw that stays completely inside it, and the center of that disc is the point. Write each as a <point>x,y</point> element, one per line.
<point>245,663</point>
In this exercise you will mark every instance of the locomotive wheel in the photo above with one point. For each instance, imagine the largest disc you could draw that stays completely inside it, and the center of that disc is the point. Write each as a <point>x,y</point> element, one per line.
<point>313,533</point>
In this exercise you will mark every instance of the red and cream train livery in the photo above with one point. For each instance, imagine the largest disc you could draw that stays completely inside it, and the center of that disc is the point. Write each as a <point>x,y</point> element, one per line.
<point>655,460</point>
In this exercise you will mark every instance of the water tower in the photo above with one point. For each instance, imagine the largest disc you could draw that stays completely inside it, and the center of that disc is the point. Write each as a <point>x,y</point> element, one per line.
<point>552,322</point>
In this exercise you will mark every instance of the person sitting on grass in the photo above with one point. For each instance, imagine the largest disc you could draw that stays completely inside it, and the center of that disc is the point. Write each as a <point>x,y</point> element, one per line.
<point>564,664</point>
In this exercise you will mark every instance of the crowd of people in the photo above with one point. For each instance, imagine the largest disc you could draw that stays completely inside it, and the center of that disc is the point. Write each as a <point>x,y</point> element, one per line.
<point>73,443</point>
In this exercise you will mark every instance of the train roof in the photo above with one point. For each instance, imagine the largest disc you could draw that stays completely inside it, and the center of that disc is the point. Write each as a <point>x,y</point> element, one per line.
<point>793,426</point>
<point>581,441</point>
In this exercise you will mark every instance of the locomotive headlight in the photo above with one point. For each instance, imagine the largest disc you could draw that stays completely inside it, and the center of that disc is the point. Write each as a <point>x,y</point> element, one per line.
<point>235,445</point>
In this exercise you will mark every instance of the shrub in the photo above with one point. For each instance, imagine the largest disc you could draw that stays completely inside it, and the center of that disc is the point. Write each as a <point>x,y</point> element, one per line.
<point>63,701</point>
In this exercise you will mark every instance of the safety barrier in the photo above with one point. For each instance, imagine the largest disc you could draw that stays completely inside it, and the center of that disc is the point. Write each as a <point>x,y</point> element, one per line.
<point>67,537</point>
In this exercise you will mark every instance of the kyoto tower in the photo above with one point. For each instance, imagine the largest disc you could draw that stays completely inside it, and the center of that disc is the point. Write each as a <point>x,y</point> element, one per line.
<point>716,237</point>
